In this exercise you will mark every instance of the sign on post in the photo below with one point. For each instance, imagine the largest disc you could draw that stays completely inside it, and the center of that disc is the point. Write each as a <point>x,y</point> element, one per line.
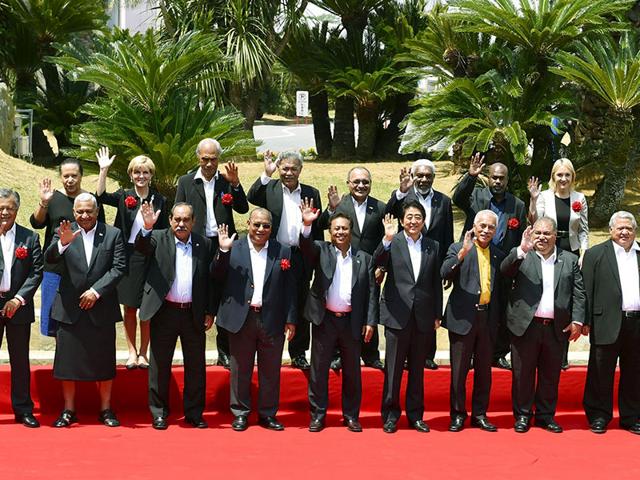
<point>302,103</point>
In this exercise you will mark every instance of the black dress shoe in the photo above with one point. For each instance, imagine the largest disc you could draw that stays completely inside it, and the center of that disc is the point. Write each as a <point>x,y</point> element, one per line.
<point>430,364</point>
<point>66,418</point>
<point>521,425</point>
<point>271,423</point>
<point>108,418</point>
<point>635,428</point>
<point>159,423</point>
<point>598,426</point>
<point>565,365</point>
<point>483,423</point>
<point>501,363</point>
<point>28,420</point>
<point>352,424</point>
<point>377,364</point>
<point>223,361</point>
<point>336,364</point>
<point>196,422</point>
<point>316,425</point>
<point>420,426</point>
<point>457,424</point>
<point>300,362</point>
<point>240,423</point>
<point>549,425</point>
<point>389,427</point>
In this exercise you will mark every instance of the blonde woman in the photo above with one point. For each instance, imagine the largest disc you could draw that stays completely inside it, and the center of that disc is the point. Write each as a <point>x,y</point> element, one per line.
<point>129,220</point>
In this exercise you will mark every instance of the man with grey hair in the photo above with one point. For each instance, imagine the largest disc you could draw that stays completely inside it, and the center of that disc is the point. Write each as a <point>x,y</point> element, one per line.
<point>20,275</point>
<point>472,316</point>
<point>610,272</point>
<point>283,198</point>
<point>214,195</point>
<point>416,184</point>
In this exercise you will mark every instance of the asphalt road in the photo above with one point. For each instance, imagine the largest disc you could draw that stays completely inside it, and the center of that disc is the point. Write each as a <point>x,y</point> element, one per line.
<point>284,137</point>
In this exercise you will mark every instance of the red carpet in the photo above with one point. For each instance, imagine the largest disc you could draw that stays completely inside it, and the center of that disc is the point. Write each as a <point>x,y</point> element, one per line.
<point>89,450</point>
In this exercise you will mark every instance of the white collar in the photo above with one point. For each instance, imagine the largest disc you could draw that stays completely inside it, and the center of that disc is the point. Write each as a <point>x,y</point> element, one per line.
<point>359,205</point>
<point>200,176</point>
<point>285,189</point>
<point>177,240</point>
<point>11,232</point>
<point>253,249</point>
<point>618,249</point>
<point>410,240</point>
<point>339,253</point>
<point>420,195</point>
<point>552,257</point>
<point>90,232</point>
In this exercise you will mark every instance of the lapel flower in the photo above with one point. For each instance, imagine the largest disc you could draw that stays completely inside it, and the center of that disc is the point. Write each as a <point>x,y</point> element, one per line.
<point>285,264</point>
<point>513,224</point>
<point>576,206</point>
<point>227,199</point>
<point>22,253</point>
<point>131,202</point>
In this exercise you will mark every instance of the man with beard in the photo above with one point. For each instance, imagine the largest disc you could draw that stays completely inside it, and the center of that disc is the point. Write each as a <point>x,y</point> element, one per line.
<point>512,218</point>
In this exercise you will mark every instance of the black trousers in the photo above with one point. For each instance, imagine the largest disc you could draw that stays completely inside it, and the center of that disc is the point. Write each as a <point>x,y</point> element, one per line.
<point>334,332</point>
<point>368,351</point>
<point>408,343</point>
<point>300,342</point>
<point>249,340</point>
<point>432,347</point>
<point>479,345</point>
<point>598,391</point>
<point>166,327</point>
<point>18,347</point>
<point>536,356</point>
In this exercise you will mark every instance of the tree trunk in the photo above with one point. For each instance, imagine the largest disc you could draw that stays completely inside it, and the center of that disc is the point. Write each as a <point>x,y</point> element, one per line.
<point>250,107</point>
<point>388,143</point>
<point>367,129</point>
<point>344,143</point>
<point>319,104</point>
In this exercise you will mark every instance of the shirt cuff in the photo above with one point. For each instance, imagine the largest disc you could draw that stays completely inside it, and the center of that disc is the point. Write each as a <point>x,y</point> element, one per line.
<point>93,290</point>
<point>264,180</point>
<point>306,231</point>
<point>577,323</point>
<point>145,232</point>
<point>400,195</point>
<point>520,253</point>
<point>19,297</point>
<point>62,248</point>
<point>386,244</point>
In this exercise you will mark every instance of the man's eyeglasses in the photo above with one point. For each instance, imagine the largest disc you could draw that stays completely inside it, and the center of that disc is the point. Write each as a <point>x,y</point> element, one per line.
<point>266,226</point>
<point>363,182</point>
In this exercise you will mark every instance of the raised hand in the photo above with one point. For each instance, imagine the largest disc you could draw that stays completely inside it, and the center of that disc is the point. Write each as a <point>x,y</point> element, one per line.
<point>269,163</point>
<point>309,214</point>
<point>230,174</point>
<point>66,234</point>
<point>104,161</point>
<point>476,165</point>
<point>526,243</point>
<point>45,190</point>
<point>467,244</point>
<point>390,226</point>
<point>534,187</point>
<point>334,198</point>
<point>406,181</point>
<point>224,240</point>
<point>149,216</point>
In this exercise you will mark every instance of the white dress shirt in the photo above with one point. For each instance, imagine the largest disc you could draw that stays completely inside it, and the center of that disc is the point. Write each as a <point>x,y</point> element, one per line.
<point>181,290</point>
<point>138,223</point>
<point>361,211</point>
<point>339,293</point>
<point>546,307</point>
<point>211,225</point>
<point>291,220</point>
<point>8,247</point>
<point>424,201</point>
<point>628,271</point>
<point>258,268</point>
<point>415,252</point>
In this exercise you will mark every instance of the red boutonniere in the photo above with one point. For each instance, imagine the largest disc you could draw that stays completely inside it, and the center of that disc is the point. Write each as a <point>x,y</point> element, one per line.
<point>576,206</point>
<point>227,199</point>
<point>513,224</point>
<point>285,264</point>
<point>131,202</point>
<point>22,253</point>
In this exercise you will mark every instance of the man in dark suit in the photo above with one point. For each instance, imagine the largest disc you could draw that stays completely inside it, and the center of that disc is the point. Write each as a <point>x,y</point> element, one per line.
<point>366,214</point>
<point>610,272</point>
<point>258,309</point>
<point>214,195</point>
<point>283,198</point>
<point>410,310</point>
<point>512,217</point>
<point>343,307</point>
<point>176,299</point>
<point>546,307</point>
<point>86,305</point>
<point>472,315</point>
<point>417,185</point>
<point>20,275</point>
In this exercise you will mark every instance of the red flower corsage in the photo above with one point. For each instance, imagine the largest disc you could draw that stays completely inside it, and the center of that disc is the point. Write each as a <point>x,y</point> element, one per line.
<point>513,224</point>
<point>22,253</point>
<point>227,199</point>
<point>576,206</point>
<point>285,264</point>
<point>131,202</point>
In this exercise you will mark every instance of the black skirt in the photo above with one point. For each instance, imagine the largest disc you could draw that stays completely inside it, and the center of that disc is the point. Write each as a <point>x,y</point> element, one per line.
<point>85,352</point>
<point>130,286</point>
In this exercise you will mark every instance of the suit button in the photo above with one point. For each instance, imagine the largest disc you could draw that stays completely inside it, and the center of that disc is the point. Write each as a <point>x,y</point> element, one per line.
<point>249,302</point>
<point>479,291</point>
<point>252,285</point>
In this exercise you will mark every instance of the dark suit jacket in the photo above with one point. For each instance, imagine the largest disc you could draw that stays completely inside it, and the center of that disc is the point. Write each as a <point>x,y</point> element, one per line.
<point>602,284</point>
<point>402,294</point>
<point>471,200</point>
<point>108,264</point>
<point>161,247</point>
<point>364,290</point>
<point>372,228</point>
<point>269,196</point>
<point>26,274</point>
<point>524,298</point>
<point>461,308</point>
<point>440,228</point>
<point>125,216</point>
<point>232,270</point>
<point>191,190</point>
